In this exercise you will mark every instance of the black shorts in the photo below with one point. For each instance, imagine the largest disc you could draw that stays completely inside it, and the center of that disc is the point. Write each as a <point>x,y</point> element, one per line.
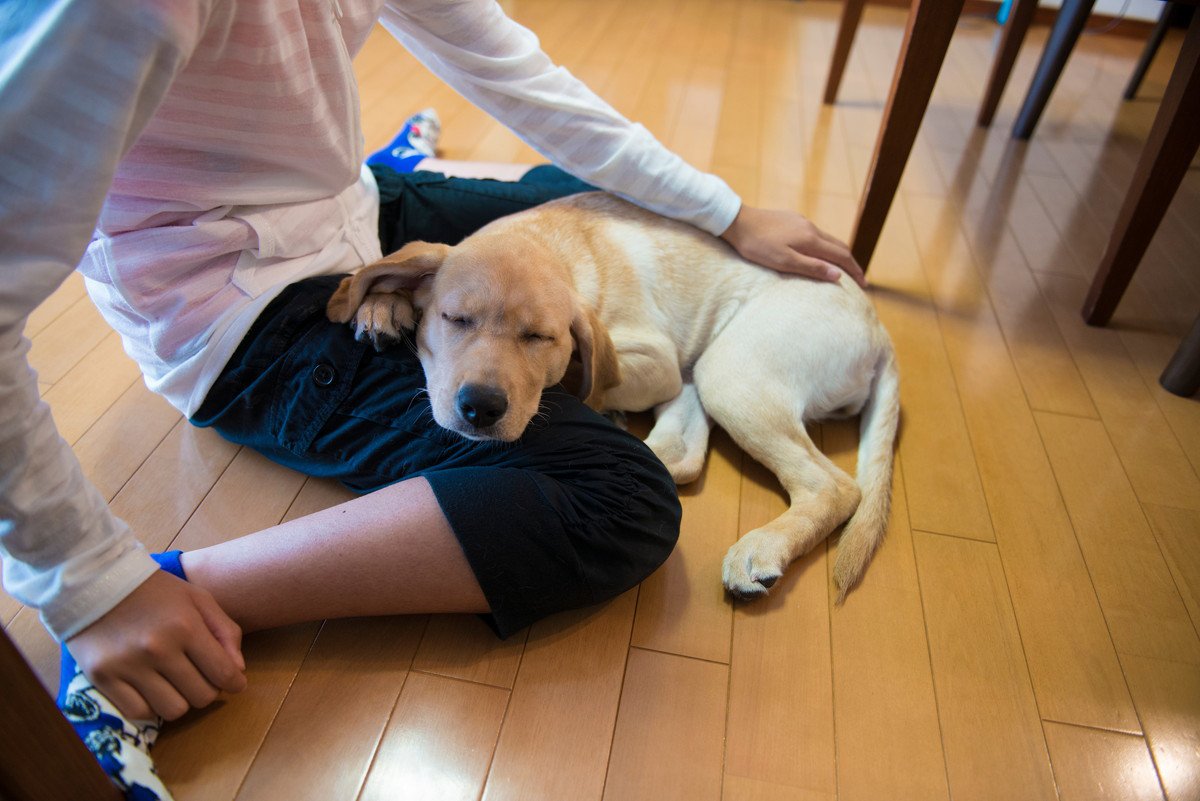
<point>573,513</point>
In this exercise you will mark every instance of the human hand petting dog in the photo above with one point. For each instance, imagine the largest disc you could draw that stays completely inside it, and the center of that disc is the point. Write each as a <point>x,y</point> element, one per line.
<point>165,648</point>
<point>789,242</point>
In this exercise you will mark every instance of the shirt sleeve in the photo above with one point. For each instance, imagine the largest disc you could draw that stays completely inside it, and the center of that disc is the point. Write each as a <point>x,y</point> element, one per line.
<point>499,66</point>
<point>78,80</point>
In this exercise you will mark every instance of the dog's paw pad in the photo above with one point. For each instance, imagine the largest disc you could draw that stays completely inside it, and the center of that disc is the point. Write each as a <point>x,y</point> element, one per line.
<point>382,342</point>
<point>752,593</point>
<point>768,581</point>
<point>754,564</point>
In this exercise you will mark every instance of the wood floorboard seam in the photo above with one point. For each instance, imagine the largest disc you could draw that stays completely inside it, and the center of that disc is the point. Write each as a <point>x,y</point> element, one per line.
<point>1104,615</point>
<point>629,646</point>
<point>275,714</point>
<point>954,378</point>
<point>200,503</point>
<point>487,774</point>
<point>937,707</point>
<point>682,656</point>
<point>1004,569</point>
<point>1152,389</point>
<point>1087,727</point>
<point>382,732</point>
<point>1153,534</point>
<point>146,458</point>
<point>1006,337</point>
<point>837,779</point>
<point>1154,758</point>
<point>80,361</point>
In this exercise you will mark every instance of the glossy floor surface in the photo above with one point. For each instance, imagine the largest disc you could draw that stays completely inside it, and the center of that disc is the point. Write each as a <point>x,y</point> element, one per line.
<point>1029,629</point>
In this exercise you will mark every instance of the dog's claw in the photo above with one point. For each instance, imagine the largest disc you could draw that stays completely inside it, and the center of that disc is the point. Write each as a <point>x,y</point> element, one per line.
<point>768,581</point>
<point>746,594</point>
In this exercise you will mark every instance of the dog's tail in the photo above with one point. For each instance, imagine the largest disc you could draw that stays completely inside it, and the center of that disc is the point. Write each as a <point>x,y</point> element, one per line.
<point>877,437</point>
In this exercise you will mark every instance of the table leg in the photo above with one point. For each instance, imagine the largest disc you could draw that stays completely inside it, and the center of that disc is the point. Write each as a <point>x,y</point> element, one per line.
<point>1173,141</point>
<point>930,25</point>
<point>851,15</point>
<point>1063,36</point>
<point>1015,29</point>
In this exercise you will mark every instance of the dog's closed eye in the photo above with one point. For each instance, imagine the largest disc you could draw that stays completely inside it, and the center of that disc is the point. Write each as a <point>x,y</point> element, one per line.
<point>459,321</point>
<point>533,336</point>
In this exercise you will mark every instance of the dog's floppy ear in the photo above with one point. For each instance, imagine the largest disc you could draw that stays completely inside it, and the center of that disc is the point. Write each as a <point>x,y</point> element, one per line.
<point>403,269</point>
<point>597,354</point>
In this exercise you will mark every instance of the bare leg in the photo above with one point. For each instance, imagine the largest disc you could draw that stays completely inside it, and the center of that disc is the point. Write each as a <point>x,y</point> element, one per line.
<point>389,552</point>
<point>475,169</point>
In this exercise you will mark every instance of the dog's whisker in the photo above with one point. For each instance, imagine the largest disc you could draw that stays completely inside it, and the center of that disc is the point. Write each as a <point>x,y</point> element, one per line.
<point>422,392</point>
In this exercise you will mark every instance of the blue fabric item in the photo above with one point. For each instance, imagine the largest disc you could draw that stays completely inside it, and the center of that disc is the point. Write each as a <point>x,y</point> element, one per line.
<point>414,144</point>
<point>169,561</point>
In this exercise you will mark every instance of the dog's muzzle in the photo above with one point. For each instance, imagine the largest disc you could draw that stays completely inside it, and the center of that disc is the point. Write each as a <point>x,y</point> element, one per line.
<point>481,406</point>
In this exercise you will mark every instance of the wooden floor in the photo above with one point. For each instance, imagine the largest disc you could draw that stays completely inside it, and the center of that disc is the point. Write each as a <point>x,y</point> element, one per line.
<point>1029,629</point>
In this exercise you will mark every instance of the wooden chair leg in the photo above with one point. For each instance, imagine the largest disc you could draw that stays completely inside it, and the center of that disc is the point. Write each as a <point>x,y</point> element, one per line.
<point>930,25</point>
<point>1182,376</point>
<point>851,16</point>
<point>41,757</point>
<point>1173,141</point>
<point>1063,36</point>
<point>1015,29</point>
<point>1152,45</point>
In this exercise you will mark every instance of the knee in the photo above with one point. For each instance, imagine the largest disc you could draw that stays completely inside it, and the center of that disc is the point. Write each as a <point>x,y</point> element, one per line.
<point>638,531</point>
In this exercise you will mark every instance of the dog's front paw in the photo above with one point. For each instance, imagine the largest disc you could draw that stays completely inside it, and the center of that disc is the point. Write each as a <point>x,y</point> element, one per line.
<point>382,318</point>
<point>754,564</point>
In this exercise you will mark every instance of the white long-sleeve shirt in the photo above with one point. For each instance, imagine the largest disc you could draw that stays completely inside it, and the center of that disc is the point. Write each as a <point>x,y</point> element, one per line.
<point>195,157</point>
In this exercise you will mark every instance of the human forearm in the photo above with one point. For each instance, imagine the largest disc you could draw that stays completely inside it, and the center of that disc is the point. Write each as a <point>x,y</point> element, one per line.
<point>64,552</point>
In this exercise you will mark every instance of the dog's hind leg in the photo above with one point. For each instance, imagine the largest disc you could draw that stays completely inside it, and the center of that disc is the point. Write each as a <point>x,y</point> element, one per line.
<point>680,434</point>
<point>821,498</point>
<point>761,416</point>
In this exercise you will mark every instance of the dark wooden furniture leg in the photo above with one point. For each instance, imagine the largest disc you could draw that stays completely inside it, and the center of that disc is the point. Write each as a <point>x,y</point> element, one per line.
<point>1152,44</point>
<point>1182,375</point>
<point>1063,36</point>
<point>1169,150</point>
<point>41,757</point>
<point>926,39</point>
<point>851,16</point>
<point>1015,28</point>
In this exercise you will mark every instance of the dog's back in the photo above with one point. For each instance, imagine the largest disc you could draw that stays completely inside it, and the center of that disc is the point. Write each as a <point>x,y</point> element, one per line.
<point>640,270</point>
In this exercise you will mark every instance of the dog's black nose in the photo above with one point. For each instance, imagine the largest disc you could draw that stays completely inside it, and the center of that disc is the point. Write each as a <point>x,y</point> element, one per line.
<point>481,406</point>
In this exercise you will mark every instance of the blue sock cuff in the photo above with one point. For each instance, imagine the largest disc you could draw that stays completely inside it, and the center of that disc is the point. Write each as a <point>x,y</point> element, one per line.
<point>170,562</point>
<point>416,142</point>
<point>405,164</point>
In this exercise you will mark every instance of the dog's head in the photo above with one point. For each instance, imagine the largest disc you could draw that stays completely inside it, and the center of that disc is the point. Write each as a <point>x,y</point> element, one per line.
<point>499,321</point>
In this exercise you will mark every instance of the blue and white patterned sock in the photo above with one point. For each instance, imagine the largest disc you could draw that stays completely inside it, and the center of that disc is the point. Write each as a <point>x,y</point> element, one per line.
<point>121,745</point>
<point>416,142</point>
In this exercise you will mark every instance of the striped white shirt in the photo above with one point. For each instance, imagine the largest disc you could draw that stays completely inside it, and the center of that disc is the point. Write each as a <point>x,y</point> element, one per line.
<point>195,157</point>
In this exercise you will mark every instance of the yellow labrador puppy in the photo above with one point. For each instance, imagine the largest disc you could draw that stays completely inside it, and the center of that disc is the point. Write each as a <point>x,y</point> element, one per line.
<point>661,316</point>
